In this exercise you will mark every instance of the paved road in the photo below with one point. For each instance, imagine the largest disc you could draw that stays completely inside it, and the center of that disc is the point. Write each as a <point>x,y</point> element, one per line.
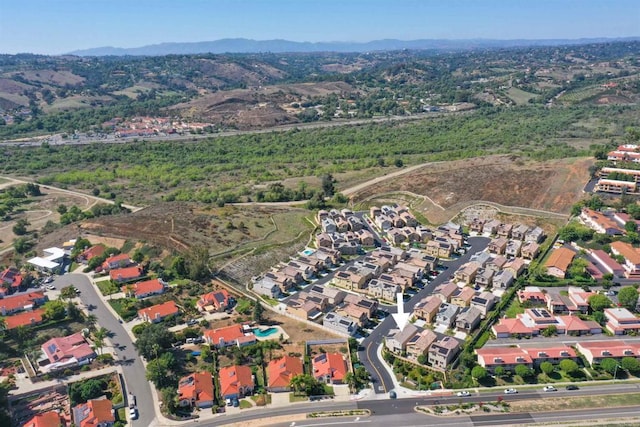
<point>367,353</point>
<point>133,369</point>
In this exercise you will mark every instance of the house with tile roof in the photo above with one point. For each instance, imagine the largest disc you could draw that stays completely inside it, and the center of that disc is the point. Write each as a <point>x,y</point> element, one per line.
<point>22,302</point>
<point>516,266</point>
<point>443,351</point>
<point>145,289</point>
<point>11,279</point>
<point>117,261</point>
<point>90,253</point>
<point>621,321</point>
<point>532,295</point>
<point>94,413</point>
<point>126,275</point>
<point>445,291</point>
<point>215,301</point>
<point>25,319</point>
<point>418,345</point>
<point>596,351</point>
<point>631,256</point>
<point>463,297</point>
<point>508,327</point>
<point>340,324</point>
<point>427,308</point>
<point>196,390</point>
<point>607,264</point>
<point>236,381</point>
<point>46,419</point>
<point>329,368</point>
<point>559,261</point>
<point>467,272</point>
<point>484,302</point>
<point>600,222</point>
<point>281,371</point>
<point>468,319</point>
<point>70,349</point>
<point>228,336</point>
<point>396,340</point>
<point>157,313</point>
<point>506,357</point>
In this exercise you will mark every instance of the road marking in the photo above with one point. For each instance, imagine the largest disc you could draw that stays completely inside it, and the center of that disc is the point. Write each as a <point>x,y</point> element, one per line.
<point>335,423</point>
<point>374,367</point>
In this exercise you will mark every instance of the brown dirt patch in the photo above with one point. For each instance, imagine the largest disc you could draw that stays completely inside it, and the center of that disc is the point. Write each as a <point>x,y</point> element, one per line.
<point>553,185</point>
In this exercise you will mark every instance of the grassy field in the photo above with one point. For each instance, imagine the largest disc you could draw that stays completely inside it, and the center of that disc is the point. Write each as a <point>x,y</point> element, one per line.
<point>514,309</point>
<point>519,96</point>
<point>582,402</point>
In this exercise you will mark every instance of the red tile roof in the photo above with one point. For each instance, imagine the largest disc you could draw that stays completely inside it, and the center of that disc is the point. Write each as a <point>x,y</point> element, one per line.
<point>116,259</point>
<point>226,335</point>
<point>124,274</point>
<point>93,252</point>
<point>218,299</point>
<point>158,311</point>
<point>197,387</point>
<point>147,287</point>
<point>93,413</point>
<point>330,365</point>
<point>232,378</point>
<point>46,419</point>
<point>11,276</point>
<point>26,318</point>
<point>627,251</point>
<point>59,349</point>
<point>20,302</point>
<point>511,326</point>
<point>496,356</point>
<point>560,258</point>
<point>280,371</point>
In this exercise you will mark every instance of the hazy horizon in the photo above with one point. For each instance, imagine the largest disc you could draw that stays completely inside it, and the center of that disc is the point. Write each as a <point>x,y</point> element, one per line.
<point>62,26</point>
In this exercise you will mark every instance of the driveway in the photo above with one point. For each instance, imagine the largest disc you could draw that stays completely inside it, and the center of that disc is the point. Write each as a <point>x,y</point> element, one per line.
<point>132,367</point>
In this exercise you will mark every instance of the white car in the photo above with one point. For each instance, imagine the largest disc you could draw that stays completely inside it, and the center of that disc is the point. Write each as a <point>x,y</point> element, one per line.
<point>510,391</point>
<point>549,388</point>
<point>463,393</point>
<point>133,413</point>
<point>50,287</point>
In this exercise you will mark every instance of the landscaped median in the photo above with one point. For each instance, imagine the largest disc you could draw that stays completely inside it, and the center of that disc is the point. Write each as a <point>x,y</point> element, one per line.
<point>465,408</point>
<point>344,413</point>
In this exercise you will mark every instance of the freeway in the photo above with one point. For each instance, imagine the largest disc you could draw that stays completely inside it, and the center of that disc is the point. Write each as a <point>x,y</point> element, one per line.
<point>133,369</point>
<point>367,353</point>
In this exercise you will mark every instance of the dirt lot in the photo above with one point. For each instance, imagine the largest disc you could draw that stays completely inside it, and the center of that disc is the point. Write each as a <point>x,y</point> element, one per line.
<point>508,180</point>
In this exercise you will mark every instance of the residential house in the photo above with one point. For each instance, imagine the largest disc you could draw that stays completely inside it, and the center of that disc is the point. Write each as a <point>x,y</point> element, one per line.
<point>529,250</point>
<point>398,279</point>
<point>519,231</point>
<point>496,263</point>
<point>513,248</point>
<point>329,368</point>
<point>491,227</point>
<point>503,279</point>
<point>328,225</point>
<point>438,249</point>
<point>334,296</point>
<point>306,271</point>
<point>236,381</point>
<point>606,263</point>
<point>427,308</point>
<point>443,351</point>
<point>72,349</point>
<point>340,324</point>
<point>196,390</point>
<point>506,357</point>
<point>117,261</point>
<point>370,305</point>
<point>390,252</point>
<point>323,240</point>
<point>212,302</point>
<point>157,313</point>
<point>600,222</point>
<point>409,270</point>
<point>383,290</point>
<point>228,336</point>
<point>504,230</point>
<point>266,286</point>
<point>467,272</point>
<point>516,266</point>
<point>497,246</point>
<point>329,257</point>
<point>535,234</point>
<point>484,302</point>
<point>145,289</point>
<point>446,314</point>
<point>46,419</point>
<point>621,321</point>
<point>374,211</point>
<point>126,275</point>
<point>284,282</point>
<point>532,295</point>
<point>463,297</point>
<point>484,277</point>
<point>575,326</point>
<point>631,258</point>
<point>425,262</point>
<point>476,225</point>
<point>419,344</point>
<point>468,319</point>
<point>482,258</point>
<point>94,413</point>
<point>596,351</point>
<point>294,275</point>
<point>365,236</point>
<point>396,340</point>
<point>350,279</point>
<point>11,279</point>
<point>359,314</point>
<point>304,309</point>
<point>510,327</point>
<point>281,371</point>
<point>25,319</point>
<point>22,302</point>
<point>396,236</point>
<point>445,291</point>
<point>90,253</point>
<point>355,223</point>
<point>552,353</point>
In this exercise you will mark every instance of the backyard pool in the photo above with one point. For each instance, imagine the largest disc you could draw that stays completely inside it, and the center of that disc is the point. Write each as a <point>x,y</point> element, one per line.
<point>308,252</point>
<point>264,333</point>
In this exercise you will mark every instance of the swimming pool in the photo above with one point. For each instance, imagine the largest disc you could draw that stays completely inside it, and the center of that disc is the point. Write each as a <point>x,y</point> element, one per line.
<point>308,252</point>
<point>264,333</point>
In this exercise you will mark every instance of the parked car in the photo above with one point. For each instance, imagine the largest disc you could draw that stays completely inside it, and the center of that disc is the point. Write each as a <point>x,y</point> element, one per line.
<point>132,401</point>
<point>549,388</point>
<point>510,391</point>
<point>463,393</point>
<point>572,387</point>
<point>392,394</point>
<point>236,403</point>
<point>50,287</point>
<point>133,413</point>
<point>192,322</point>
<point>229,403</point>
<point>48,280</point>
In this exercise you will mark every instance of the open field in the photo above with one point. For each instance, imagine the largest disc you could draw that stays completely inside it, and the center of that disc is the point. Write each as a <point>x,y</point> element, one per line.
<point>519,96</point>
<point>582,402</point>
<point>443,189</point>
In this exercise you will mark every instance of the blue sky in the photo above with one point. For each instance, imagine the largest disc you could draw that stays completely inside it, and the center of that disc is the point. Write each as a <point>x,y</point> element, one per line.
<point>59,26</point>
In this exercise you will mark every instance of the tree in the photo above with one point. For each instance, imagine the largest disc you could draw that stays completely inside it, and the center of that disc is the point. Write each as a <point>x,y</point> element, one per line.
<point>523,371</point>
<point>550,331</point>
<point>20,227</point>
<point>153,339</point>
<point>569,366</point>
<point>170,399</point>
<point>599,302</point>
<point>328,185</point>
<point>54,310</point>
<point>98,338</point>
<point>500,371</point>
<point>546,367</point>
<point>197,262</point>
<point>67,292</point>
<point>628,297</point>
<point>399,163</point>
<point>22,245</point>
<point>609,365</point>
<point>160,370</point>
<point>599,317</point>
<point>631,227</point>
<point>478,373</point>
<point>258,312</point>
<point>630,364</point>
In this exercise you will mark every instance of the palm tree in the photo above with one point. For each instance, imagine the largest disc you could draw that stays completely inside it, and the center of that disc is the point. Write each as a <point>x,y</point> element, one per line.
<point>91,320</point>
<point>297,384</point>
<point>98,338</point>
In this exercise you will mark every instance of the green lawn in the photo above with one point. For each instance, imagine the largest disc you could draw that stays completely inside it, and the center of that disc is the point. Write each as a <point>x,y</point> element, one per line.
<point>297,398</point>
<point>120,306</point>
<point>245,404</point>
<point>514,309</point>
<point>107,287</point>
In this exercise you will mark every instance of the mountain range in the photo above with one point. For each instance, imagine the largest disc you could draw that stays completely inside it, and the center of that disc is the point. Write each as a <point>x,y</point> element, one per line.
<point>241,45</point>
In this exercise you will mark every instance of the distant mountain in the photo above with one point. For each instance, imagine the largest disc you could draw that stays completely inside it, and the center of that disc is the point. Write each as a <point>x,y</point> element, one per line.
<point>280,46</point>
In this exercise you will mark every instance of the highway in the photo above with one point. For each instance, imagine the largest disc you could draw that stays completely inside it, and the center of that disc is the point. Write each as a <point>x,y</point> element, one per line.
<point>133,369</point>
<point>367,353</point>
